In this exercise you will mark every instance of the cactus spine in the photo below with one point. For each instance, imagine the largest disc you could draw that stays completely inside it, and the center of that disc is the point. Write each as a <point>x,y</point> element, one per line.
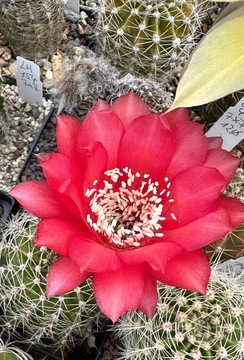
<point>188,326</point>
<point>148,37</point>
<point>32,27</point>
<point>64,320</point>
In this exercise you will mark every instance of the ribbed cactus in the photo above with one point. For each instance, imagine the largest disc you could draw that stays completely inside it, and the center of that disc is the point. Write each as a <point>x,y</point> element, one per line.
<point>148,37</point>
<point>32,27</point>
<point>64,320</point>
<point>188,326</point>
<point>11,352</point>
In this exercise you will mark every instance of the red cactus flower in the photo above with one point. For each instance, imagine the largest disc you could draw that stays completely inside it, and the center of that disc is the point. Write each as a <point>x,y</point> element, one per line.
<point>130,199</point>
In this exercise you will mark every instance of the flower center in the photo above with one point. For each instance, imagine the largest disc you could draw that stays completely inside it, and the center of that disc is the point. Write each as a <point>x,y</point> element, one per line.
<point>128,209</point>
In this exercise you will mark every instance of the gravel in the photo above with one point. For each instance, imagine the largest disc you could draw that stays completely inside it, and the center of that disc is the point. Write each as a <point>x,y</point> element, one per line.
<point>23,121</point>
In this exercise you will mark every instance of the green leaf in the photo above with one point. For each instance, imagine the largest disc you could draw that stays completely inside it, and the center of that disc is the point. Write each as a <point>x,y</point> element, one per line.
<point>216,66</point>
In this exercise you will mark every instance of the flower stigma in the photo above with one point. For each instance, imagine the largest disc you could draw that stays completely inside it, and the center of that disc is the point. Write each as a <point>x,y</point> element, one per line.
<point>128,209</point>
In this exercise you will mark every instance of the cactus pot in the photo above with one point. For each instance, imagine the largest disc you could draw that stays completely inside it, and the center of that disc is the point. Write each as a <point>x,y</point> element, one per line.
<point>7,206</point>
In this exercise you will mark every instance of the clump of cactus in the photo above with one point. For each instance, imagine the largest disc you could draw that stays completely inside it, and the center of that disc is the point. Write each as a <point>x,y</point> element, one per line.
<point>148,37</point>
<point>93,76</point>
<point>188,326</point>
<point>32,27</point>
<point>11,352</point>
<point>63,321</point>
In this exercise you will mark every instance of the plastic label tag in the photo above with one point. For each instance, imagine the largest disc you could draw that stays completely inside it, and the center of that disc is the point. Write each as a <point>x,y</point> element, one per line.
<point>28,81</point>
<point>73,5</point>
<point>230,126</point>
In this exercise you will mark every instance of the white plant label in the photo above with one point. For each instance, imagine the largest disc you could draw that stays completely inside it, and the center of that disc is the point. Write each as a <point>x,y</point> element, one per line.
<point>230,126</point>
<point>73,5</point>
<point>30,87</point>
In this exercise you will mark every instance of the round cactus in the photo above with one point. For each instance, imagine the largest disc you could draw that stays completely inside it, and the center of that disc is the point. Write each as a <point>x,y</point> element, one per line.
<point>32,27</point>
<point>63,320</point>
<point>148,36</point>
<point>188,326</point>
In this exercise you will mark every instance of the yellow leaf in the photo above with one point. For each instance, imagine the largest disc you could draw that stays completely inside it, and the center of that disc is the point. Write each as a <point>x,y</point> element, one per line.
<point>216,67</point>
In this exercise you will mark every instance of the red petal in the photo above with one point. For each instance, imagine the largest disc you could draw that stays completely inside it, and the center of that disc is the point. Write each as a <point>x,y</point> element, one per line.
<point>67,130</point>
<point>194,192</point>
<point>215,142</point>
<point>128,107</point>
<point>155,255</point>
<point>91,256</point>
<point>222,160</point>
<point>235,210</point>
<point>147,146</point>
<point>101,105</point>
<point>37,198</point>
<point>64,276</point>
<point>191,146</point>
<point>189,270</point>
<point>148,302</point>
<point>120,291</point>
<point>55,233</point>
<point>104,127</point>
<point>65,179</point>
<point>202,231</point>
<point>97,162</point>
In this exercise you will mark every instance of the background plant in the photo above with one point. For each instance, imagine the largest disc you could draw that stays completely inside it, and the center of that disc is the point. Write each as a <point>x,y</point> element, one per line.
<point>188,326</point>
<point>95,77</point>
<point>149,37</point>
<point>32,27</point>
<point>207,78</point>
<point>61,321</point>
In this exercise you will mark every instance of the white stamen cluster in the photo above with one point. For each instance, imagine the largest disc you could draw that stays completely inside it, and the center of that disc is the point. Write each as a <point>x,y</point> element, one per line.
<point>128,208</point>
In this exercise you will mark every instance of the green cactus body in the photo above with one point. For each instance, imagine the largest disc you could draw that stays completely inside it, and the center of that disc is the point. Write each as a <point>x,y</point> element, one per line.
<point>148,36</point>
<point>63,320</point>
<point>188,326</point>
<point>32,27</point>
